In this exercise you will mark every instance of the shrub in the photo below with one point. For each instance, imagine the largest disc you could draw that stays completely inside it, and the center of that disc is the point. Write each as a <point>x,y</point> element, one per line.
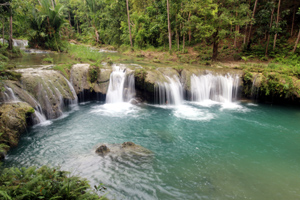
<point>43,183</point>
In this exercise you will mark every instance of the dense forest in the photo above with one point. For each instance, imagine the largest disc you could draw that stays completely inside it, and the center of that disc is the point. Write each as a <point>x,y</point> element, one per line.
<point>262,28</point>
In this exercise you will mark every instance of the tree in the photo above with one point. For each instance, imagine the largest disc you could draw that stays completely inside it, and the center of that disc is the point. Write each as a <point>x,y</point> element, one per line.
<point>277,22</point>
<point>129,24</point>
<point>251,25</point>
<point>219,16</point>
<point>298,38</point>
<point>169,26</point>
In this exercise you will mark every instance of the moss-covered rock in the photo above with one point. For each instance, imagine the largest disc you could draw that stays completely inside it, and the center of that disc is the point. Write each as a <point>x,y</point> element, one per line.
<point>88,79</point>
<point>49,88</point>
<point>14,118</point>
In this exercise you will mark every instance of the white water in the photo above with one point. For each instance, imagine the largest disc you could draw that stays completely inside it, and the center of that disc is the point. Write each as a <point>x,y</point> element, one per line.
<point>50,97</point>
<point>10,95</point>
<point>121,86</point>
<point>217,88</point>
<point>169,92</point>
<point>17,43</point>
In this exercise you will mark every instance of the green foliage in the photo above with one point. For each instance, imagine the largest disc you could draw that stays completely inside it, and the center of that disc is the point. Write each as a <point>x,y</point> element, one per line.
<point>279,85</point>
<point>140,74</point>
<point>93,73</point>
<point>43,183</point>
<point>48,60</point>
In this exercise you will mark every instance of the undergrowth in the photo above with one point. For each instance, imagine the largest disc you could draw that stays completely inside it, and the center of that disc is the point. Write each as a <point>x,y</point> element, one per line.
<point>44,183</point>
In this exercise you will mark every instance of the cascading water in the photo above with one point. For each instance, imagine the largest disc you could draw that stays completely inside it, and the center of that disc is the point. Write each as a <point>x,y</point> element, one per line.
<point>47,91</point>
<point>121,86</point>
<point>214,87</point>
<point>17,43</point>
<point>9,95</point>
<point>169,92</point>
<point>129,88</point>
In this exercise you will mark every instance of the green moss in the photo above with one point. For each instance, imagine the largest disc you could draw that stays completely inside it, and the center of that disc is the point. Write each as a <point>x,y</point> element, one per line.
<point>94,72</point>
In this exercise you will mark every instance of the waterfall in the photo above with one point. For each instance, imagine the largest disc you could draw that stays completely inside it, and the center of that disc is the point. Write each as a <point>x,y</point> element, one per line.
<point>214,87</point>
<point>169,92</point>
<point>10,95</point>
<point>17,43</point>
<point>121,86</point>
<point>47,91</point>
<point>129,88</point>
<point>255,87</point>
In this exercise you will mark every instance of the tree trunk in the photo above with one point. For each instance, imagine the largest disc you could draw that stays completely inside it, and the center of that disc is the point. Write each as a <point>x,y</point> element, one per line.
<point>297,41</point>
<point>245,36</point>
<point>215,45</point>
<point>70,20</point>
<point>169,27</point>
<point>251,24</point>
<point>183,43</point>
<point>177,36</point>
<point>293,22</point>
<point>97,34</point>
<point>236,30</point>
<point>3,31</point>
<point>129,27</point>
<point>190,31</point>
<point>77,28</point>
<point>268,37</point>
<point>277,21</point>
<point>10,41</point>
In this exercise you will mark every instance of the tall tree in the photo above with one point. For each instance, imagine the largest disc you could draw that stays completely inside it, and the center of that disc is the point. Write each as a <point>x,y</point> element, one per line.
<point>298,38</point>
<point>251,25</point>
<point>277,22</point>
<point>169,26</point>
<point>130,37</point>
<point>268,36</point>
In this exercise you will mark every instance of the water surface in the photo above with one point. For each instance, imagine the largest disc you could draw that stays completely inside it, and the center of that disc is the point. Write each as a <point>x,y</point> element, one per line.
<point>201,151</point>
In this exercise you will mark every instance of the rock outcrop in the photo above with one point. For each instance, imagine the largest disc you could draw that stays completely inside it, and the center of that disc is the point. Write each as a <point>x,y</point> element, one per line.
<point>90,82</point>
<point>14,118</point>
<point>47,91</point>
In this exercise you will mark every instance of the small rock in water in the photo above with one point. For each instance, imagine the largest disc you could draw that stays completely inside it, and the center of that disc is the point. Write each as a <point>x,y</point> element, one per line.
<point>128,144</point>
<point>136,101</point>
<point>126,148</point>
<point>102,150</point>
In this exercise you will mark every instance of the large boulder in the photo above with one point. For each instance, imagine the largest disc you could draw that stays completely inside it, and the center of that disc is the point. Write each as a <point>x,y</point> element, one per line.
<point>14,118</point>
<point>89,80</point>
<point>48,88</point>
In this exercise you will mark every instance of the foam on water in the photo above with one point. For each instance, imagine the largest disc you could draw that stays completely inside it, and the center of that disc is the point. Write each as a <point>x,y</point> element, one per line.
<point>116,109</point>
<point>192,113</point>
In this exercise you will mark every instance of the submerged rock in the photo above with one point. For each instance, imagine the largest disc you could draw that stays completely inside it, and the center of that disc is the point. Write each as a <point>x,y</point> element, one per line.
<point>127,148</point>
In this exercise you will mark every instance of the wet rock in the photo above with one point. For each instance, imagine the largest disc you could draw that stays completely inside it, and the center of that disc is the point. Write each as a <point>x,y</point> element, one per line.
<point>81,80</point>
<point>136,101</point>
<point>126,148</point>
<point>14,118</point>
<point>48,88</point>
<point>128,145</point>
<point>102,150</point>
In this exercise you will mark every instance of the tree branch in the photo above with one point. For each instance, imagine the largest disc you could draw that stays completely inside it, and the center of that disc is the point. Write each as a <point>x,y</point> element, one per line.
<point>5,4</point>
